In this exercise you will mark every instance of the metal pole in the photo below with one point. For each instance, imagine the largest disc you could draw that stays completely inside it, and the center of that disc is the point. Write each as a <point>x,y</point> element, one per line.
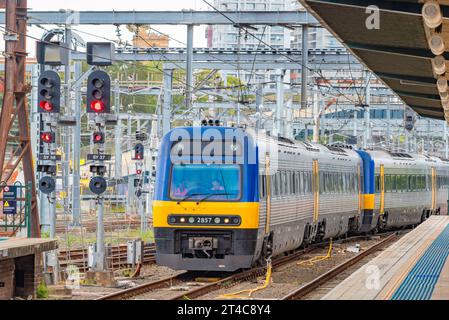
<point>76,192</point>
<point>189,70</point>
<point>367,133</point>
<point>68,111</point>
<point>100,261</point>
<point>118,134</point>
<point>315,117</point>
<point>166,111</point>
<point>355,132</point>
<point>305,65</point>
<point>279,101</point>
<point>54,253</point>
<point>259,103</point>
<point>388,122</point>
<point>446,140</point>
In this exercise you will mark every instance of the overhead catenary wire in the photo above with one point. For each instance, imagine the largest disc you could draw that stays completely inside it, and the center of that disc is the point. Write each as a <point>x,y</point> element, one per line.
<point>270,46</point>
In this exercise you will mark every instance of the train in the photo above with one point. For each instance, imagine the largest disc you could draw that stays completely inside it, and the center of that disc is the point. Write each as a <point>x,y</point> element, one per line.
<point>228,198</point>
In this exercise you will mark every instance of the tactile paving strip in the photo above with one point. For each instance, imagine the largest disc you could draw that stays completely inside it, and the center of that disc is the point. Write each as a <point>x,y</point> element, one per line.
<point>420,282</point>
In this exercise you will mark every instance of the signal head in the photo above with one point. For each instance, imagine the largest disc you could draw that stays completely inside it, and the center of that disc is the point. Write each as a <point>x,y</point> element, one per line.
<point>98,185</point>
<point>98,92</point>
<point>98,137</point>
<point>47,137</point>
<point>49,89</point>
<point>47,185</point>
<point>139,151</point>
<point>97,106</point>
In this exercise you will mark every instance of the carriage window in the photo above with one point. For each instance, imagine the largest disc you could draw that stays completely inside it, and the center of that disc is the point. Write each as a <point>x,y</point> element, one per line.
<point>197,181</point>
<point>413,183</point>
<point>294,185</point>
<point>262,186</point>
<point>283,183</point>
<point>377,183</point>
<point>309,182</point>
<point>273,185</point>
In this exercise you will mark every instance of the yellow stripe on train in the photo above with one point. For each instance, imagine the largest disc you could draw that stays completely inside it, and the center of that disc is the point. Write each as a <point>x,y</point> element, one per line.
<point>369,201</point>
<point>248,211</point>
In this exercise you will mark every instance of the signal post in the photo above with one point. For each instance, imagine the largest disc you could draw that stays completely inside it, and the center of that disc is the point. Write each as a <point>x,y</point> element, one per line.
<point>49,100</point>
<point>98,106</point>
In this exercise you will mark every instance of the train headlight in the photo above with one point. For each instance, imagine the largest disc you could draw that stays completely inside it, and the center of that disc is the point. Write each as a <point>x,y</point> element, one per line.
<point>217,220</point>
<point>226,220</point>
<point>191,220</point>
<point>182,220</point>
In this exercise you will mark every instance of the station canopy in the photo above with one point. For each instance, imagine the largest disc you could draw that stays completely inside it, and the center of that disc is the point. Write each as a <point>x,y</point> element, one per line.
<point>398,51</point>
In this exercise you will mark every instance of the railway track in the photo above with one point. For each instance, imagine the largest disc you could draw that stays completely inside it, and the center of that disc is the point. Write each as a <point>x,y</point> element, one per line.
<point>116,259</point>
<point>338,271</point>
<point>91,226</point>
<point>150,290</point>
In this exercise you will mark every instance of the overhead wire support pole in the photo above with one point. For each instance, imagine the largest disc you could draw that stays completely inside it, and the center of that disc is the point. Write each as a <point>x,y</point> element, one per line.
<point>305,65</point>
<point>189,69</point>
<point>118,134</point>
<point>77,150</point>
<point>15,102</point>
<point>68,112</point>
<point>166,107</point>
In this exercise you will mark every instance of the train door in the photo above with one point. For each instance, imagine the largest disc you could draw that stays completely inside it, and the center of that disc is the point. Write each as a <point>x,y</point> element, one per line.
<point>268,195</point>
<point>360,188</point>
<point>434,188</point>
<point>316,190</point>
<point>382,190</point>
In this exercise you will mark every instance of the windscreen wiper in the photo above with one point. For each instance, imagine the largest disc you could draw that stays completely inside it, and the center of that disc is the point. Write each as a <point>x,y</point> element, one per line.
<point>190,195</point>
<point>215,194</point>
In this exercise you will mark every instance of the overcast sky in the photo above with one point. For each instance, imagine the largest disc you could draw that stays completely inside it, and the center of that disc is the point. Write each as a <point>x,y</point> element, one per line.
<point>177,32</point>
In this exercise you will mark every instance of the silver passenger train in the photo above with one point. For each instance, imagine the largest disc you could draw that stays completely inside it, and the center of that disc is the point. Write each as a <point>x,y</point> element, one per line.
<point>292,194</point>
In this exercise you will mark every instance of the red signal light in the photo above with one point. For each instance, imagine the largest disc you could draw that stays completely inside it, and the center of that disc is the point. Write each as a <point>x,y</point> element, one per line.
<point>139,171</point>
<point>98,137</point>
<point>47,106</point>
<point>97,106</point>
<point>47,137</point>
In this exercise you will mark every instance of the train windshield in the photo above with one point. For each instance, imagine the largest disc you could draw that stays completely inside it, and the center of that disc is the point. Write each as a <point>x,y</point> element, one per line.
<point>211,182</point>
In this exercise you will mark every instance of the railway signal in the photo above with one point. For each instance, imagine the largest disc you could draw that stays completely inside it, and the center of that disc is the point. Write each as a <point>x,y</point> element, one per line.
<point>49,92</point>
<point>99,92</point>
<point>48,137</point>
<point>98,137</point>
<point>98,185</point>
<point>47,185</point>
<point>139,151</point>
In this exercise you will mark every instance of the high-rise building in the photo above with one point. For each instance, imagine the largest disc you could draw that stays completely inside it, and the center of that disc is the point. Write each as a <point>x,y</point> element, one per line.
<point>319,38</point>
<point>227,36</point>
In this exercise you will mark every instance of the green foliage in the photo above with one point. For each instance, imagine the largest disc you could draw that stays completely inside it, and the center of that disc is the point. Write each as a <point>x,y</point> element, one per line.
<point>127,273</point>
<point>147,236</point>
<point>42,291</point>
<point>45,235</point>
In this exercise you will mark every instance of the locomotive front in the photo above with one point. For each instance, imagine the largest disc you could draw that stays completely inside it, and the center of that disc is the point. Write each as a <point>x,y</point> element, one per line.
<point>205,209</point>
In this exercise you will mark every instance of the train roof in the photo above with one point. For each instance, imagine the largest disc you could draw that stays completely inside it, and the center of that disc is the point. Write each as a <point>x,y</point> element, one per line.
<point>406,158</point>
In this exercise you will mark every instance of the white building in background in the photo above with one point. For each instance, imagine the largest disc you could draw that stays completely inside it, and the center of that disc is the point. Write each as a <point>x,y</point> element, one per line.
<point>319,38</point>
<point>227,36</point>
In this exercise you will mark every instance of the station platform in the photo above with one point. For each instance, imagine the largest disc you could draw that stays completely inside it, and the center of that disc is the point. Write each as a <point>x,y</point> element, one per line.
<point>414,268</point>
<point>21,265</point>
